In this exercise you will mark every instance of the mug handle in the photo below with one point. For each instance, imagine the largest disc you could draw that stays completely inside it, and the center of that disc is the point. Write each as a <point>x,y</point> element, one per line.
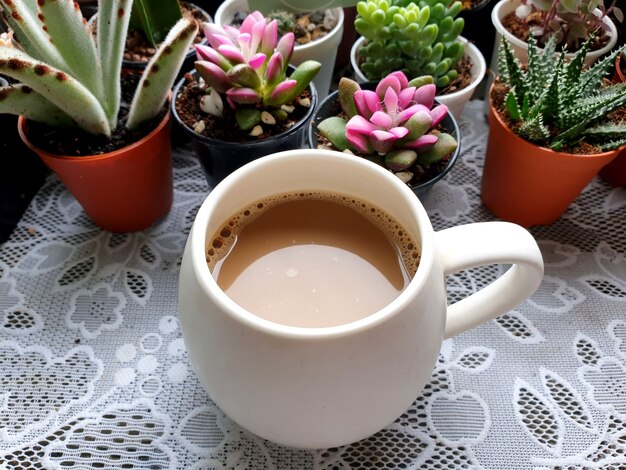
<point>473,245</point>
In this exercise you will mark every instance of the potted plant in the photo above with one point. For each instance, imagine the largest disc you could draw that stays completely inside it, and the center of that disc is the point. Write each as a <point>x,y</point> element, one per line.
<point>241,105</point>
<point>395,123</point>
<point>421,38</point>
<point>323,49</point>
<point>109,144</point>
<point>550,131</point>
<point>615,172</point>
<point>572,22</point>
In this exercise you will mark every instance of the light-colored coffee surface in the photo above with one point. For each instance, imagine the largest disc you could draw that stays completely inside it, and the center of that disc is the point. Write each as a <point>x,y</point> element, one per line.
<point>312,260</point>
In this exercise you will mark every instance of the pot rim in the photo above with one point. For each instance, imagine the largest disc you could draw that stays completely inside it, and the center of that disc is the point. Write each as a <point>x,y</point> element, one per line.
<point>555,154</point>
<point>221,11</point>
<point>497,13</point>
<point>479,65</point>
<point>455,131</point>
<point>252,144</point>
<point>22,128</point>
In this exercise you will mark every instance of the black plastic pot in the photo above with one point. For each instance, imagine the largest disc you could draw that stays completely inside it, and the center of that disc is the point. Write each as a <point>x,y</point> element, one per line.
<point>479,27</point>
<point>219,158</point>
<point>330,107</point>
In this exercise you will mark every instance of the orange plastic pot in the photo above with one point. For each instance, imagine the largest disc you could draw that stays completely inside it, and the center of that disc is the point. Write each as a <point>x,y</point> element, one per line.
<point>531,185</point>
<point>121,191</point>
<point>615,172</point>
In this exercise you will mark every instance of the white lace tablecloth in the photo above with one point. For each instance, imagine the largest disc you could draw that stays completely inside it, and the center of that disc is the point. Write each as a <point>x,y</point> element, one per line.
<point>94,373</point>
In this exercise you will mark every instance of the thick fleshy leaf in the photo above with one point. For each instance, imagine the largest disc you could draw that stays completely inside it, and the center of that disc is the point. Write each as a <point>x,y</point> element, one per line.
<point>418,124</point>
<point>217,37</point>
<point>281,92</point>
<point>334,129</point>
<point>358,141</point>
<point>398,160</point>
<point>425,95</point>
<point>249,21</point>
<point>258,30</point>
<point>273,72</point>
<point>270,37</point>
<point>438,113</point>
<point>213,75</point>
<point>358,124</point>
<point>382,141</point>
<point>243,95</point>
<point>422,143</point>
<point>285,46</point>
<point>208,53</point>
<point>389,81</point>
<point>257,60</point>
<point>399,132</point>
<point>445,145</point>
<point>232,53</point>
<point>367,102</point>
<point>410,111</point>
<point>244,76</point>
<point>391,101</point>
<point>346,91</point>
<point>382,119</point>
<point>405,97</point>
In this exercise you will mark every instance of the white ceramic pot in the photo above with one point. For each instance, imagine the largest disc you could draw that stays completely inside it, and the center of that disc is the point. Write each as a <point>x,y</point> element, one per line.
<point>520,48</point>
<point>454,101</point>
<point>324,50</point>
<point>325,387</point>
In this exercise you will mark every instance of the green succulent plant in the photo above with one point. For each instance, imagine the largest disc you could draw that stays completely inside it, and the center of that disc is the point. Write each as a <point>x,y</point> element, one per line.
<point>417,38</point>
<point>557,104</point>
<point>68,79</point>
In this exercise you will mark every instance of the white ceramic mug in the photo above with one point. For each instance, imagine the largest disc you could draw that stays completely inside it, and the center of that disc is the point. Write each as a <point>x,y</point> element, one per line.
<point>325,387</point>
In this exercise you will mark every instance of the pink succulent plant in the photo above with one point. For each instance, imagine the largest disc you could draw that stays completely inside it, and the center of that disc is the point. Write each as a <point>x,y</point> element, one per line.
<point>249,65</point>
<point>395,121</point>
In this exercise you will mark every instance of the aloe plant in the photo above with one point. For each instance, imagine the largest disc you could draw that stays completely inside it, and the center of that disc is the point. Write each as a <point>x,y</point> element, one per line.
<point>557,103</point>
<point>394,123</point>
<point>248,67</point>
<point>68,79</point>
<point>418,38</point>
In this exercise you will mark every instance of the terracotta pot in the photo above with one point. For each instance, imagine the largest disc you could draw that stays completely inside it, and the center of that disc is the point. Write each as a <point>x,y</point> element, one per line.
<point>528,184</point>
<point>330,107</point>
<point>121,191</point>
<point>615,172</point>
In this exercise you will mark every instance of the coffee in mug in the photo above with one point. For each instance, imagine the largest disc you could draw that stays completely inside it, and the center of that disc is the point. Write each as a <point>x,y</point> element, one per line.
<point>312,258</point>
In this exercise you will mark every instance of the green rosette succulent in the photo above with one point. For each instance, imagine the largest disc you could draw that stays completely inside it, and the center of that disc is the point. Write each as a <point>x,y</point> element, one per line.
<point>417,38</point>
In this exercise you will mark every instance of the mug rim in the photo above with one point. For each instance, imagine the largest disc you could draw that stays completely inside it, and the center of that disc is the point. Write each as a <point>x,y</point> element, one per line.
<point>206,281</point>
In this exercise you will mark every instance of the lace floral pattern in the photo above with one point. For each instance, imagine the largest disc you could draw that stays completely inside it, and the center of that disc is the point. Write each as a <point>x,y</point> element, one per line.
<point>94,372</point>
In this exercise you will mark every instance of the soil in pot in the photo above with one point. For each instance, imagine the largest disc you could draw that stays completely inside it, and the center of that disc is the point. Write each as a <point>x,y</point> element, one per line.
<point>223,128</point>
<point>306,26</point>
<point>520,28</point>
<point>76,142</point>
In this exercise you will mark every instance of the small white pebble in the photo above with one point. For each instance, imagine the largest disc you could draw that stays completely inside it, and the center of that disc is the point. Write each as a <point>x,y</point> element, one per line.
<point>199,127</point>
<point>405,176</point>
<point>256,131</point>
<point>287,108</point>
<point>348,151</point>
<point>306,102</point>
<point>267,118</point>
<point>200,81</point>
<point>522,11</point>
<point>212,103</point>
